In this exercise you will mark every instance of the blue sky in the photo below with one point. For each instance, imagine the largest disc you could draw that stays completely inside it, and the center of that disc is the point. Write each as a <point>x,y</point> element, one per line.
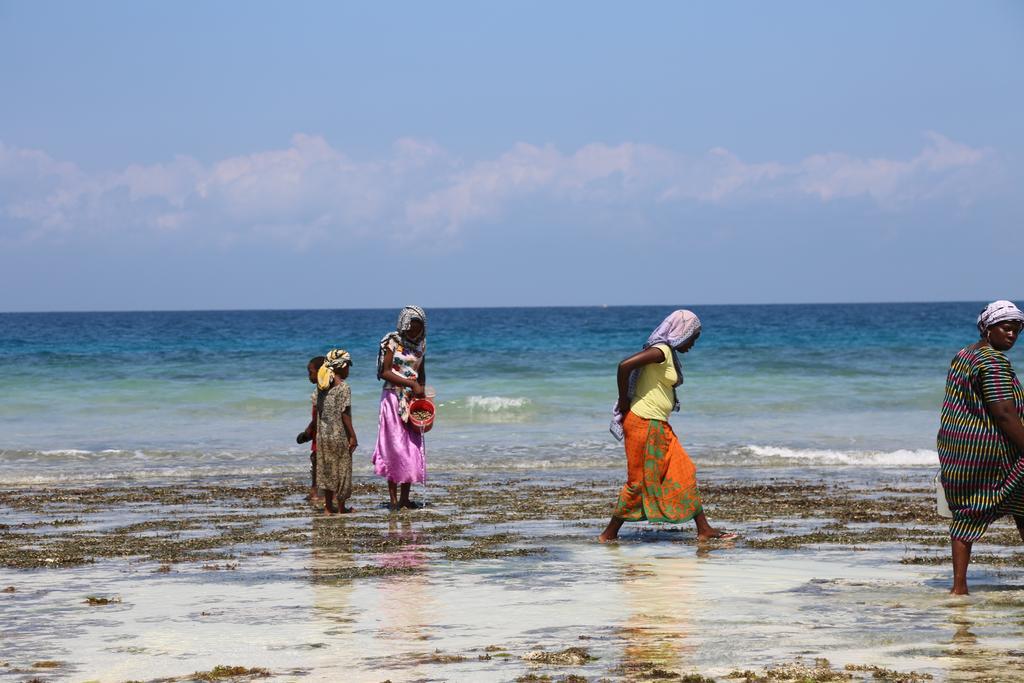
<point>268,155</point>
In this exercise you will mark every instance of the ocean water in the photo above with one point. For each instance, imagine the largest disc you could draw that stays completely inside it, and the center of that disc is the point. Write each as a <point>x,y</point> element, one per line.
<point>167,395</point>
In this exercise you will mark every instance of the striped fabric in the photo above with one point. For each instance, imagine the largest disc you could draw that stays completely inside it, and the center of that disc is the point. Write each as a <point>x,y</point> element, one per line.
<point>982,472</point>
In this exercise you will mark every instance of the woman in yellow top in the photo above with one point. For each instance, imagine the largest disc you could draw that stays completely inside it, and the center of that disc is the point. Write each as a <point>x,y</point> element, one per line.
<point>662,480</point>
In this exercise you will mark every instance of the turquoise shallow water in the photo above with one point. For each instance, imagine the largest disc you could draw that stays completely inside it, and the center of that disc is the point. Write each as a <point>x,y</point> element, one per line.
<point>184,394</point>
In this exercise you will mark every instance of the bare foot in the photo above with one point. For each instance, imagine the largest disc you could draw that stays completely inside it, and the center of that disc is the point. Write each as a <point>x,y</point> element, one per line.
<point>346,511</point>
<point>411,505</point>
<point>957,590</point>
<point>716,535</point>
<point>611,532</point>
<point>328,510</point>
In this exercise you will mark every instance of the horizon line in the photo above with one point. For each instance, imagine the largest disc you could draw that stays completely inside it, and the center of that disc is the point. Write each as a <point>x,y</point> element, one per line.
<point>506,306</point>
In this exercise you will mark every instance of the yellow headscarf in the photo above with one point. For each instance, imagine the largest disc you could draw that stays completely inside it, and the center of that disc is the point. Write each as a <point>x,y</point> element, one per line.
<point>335,359</point>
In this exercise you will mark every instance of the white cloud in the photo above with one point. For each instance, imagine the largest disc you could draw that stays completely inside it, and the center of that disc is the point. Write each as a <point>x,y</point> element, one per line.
<point>311,190</point>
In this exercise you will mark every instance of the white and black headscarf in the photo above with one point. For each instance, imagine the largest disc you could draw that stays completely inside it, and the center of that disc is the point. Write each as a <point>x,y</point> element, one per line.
<point>998,312</point>
<point>405,319</point>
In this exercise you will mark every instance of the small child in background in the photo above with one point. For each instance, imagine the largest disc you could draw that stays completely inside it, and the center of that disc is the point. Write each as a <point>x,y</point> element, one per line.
<point>309,433</point>
<point>336,437</point>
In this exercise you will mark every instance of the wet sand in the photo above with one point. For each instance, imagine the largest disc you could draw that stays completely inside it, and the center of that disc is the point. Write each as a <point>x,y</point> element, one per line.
<point>499,578</point>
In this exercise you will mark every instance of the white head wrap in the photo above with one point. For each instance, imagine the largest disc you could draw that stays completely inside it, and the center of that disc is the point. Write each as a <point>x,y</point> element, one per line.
<point>997,312</point>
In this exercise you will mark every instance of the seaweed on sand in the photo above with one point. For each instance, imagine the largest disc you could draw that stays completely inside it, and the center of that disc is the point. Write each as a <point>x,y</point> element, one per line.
<point>362,572</point>
<point>96,600</point>
<point>222,672</point>
<point>882,674</point>
<point>820,671</point>
<point>568,656</point>
<point>46,664</point>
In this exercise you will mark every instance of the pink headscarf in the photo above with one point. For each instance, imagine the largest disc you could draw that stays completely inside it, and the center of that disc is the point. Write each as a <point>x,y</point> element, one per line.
<point>675,330</point>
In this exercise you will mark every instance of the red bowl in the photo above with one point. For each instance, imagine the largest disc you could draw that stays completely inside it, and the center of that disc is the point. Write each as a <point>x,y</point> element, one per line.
<point>422,404</point>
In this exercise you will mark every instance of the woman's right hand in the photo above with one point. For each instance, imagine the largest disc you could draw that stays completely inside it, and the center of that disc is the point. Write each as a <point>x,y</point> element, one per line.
<point>417,389</point>
<point>623,406</point>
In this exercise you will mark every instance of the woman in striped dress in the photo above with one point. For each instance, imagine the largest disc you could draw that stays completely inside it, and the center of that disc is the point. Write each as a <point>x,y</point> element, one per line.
<point>981,436</point>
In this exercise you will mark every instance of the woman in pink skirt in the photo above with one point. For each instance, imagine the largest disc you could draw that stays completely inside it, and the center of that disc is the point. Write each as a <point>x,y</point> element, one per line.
<point>398,455</point>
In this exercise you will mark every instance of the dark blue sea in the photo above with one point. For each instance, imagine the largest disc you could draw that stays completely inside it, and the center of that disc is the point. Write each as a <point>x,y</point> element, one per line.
<point>194,394</point>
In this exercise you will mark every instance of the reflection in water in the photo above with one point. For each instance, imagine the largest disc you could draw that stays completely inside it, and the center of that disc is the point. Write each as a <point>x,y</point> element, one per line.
<point>967,658</point>
<point>395,605</point>
<point>963,635</point>
<point>996,655</point>
<point>403,601</point>
<point>330,598</point>
<point>404,541</point>
<point>660,593</point>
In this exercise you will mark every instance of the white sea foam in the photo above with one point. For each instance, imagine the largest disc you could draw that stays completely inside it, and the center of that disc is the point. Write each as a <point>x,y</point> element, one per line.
<point>496,404</point>
<point>816,456</point>
<point>152,475</point>
<point>71,465</point>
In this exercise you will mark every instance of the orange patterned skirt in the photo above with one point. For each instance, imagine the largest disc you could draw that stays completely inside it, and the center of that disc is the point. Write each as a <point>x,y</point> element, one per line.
<point>662,480</point>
